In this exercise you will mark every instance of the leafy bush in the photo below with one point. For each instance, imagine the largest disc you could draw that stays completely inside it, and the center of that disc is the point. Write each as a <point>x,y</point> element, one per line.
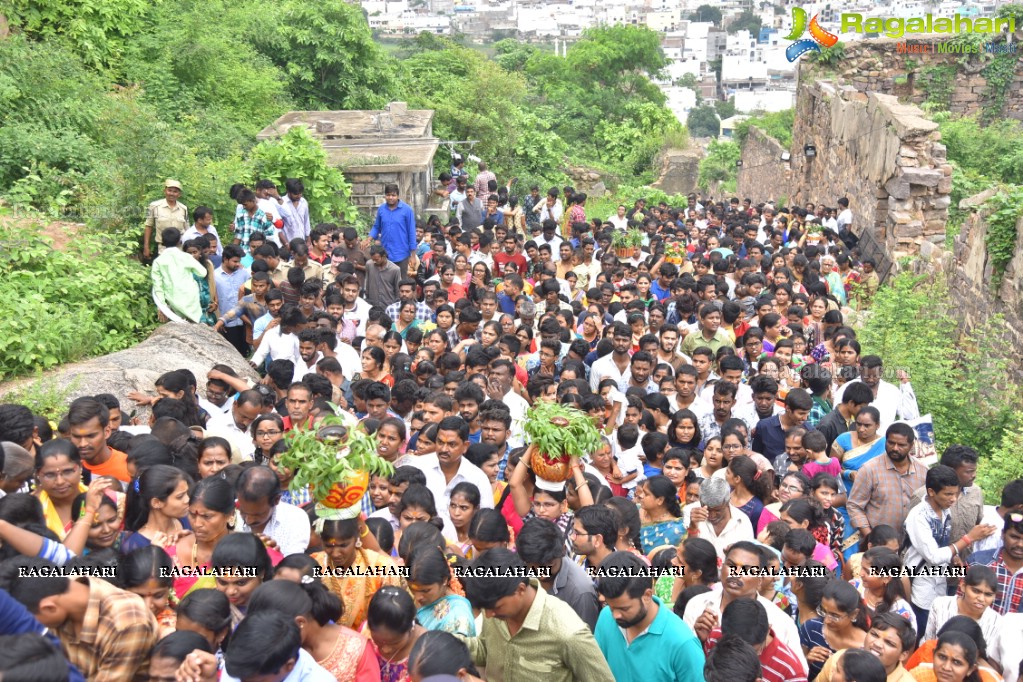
<point>223,91</point>
<point>777,125</point>
<point>718,166</point>
<point>44,396</point>
<point>958,378</point>
<point>94,30</point>
<point>298,155</point>
<point>326,52</point>
<point>1003,464</point>
<point>60,306</point>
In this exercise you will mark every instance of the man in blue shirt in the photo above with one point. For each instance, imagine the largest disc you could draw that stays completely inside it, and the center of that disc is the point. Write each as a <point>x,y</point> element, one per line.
<point>769,434</point>
<point>395,229</point>
<point>639,636</point>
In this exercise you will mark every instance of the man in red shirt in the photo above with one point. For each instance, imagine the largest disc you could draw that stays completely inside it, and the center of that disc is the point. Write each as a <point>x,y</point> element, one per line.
<point>747,619</point>
<point>510,255</point>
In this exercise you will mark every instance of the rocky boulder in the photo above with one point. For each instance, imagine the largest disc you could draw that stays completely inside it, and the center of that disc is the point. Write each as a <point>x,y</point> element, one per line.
<point>680,170</point>
<point>176,345</point>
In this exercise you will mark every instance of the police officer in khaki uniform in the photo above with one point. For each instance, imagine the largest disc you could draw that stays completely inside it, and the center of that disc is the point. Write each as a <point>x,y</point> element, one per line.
<point>164,213</point>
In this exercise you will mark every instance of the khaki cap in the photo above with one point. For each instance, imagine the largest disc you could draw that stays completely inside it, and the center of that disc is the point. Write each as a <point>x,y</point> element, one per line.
<point>172,183</point>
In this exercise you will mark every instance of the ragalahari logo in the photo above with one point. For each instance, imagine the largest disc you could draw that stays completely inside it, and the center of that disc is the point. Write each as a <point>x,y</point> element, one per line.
<point>818,36</point>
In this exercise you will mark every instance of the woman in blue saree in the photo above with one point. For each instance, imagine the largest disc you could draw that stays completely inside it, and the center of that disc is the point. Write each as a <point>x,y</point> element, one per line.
<point>854,449</point>
<point>660,514</point>
<point>440,608</point>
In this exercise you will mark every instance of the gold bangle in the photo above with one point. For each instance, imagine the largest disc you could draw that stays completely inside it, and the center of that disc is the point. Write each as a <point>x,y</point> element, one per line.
<point>365,531</point>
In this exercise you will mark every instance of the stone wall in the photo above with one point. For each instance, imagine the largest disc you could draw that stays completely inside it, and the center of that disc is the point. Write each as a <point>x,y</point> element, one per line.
<point>763,175</point>
<point>878,65</point>
<point>883,155</point>
<point>971,280</point>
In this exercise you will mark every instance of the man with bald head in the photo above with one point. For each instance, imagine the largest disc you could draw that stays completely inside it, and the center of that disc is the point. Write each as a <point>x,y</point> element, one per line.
<point>374,336</point>
<point>261,511</point>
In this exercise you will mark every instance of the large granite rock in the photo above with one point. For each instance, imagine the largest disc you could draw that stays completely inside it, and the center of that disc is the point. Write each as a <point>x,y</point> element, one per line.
<point>680,169</point>
<point>176,345</point>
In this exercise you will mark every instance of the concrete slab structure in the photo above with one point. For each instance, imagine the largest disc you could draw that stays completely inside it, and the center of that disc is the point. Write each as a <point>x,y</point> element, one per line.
<point>373,148</point>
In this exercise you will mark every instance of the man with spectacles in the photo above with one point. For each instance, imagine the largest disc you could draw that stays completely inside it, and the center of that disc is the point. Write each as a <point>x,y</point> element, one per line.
<point>234,425</point>
<point>593,534</point>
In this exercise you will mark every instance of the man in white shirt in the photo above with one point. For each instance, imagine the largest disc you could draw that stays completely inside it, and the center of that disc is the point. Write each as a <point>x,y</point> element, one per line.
<point>619,219</point>
<point>261,511</point>
<point>716,520</point>
<point>550,209</point>
<point>234,425</point>
<point>265,201</point>
<point>502,376</point>
<point>894,403</point>
<point>703,612</point>
<point>615,364</point>
<point>356,308</point>
<point>550,236</point>
<point>349,359</point>
<point>281,342</point>
<point>294,210</point>
<point>447,468</point>
<point>202,226</point>
<point>845,217</point>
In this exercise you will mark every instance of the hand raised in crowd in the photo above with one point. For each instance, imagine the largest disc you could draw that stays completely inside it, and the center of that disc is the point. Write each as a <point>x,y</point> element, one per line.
<point>982,531</point>
<point>198,666</point>
<point>707,621</point>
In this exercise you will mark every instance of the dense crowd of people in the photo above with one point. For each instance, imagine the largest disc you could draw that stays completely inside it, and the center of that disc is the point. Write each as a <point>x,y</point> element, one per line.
<point>757,509</point>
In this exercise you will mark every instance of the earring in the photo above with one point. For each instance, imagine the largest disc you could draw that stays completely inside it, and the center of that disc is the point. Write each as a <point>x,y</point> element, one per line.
<point>358,544</point>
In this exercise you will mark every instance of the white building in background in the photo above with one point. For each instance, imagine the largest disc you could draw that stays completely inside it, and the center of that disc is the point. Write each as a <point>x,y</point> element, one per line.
<point>747,101</point>
<point>728,125</point>
<point>680,100</point>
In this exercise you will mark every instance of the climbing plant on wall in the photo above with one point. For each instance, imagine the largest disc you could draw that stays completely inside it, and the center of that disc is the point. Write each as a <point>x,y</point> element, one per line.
<point>1006,208</point>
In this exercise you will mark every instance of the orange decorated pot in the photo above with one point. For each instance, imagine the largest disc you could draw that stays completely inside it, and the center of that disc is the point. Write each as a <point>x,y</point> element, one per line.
<point>624,251</point>
<point>554,470</point>
<point>343,496</point>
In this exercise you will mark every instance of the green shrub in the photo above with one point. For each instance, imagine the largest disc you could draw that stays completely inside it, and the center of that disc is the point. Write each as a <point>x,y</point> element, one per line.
<point>777,125</point>
<point>1004,463</point>
<point>61,306</point>
<point>960,379</point>
<point>298,155</point>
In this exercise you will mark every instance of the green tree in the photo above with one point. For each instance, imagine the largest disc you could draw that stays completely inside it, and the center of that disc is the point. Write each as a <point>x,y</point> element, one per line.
<point>472,97</point>
<point>94,29</point>
<point>777,125</point>
<point>703,122</point>
<point>687,80</point>
<point>326,52</point>
<point>718,166</point>
<point>620,57</point>
<point>707,13</point>
<point>513,55</point>
<point>748,21</point>
<point>224,86</point>
<point>725,108</point>
<point>297,154</point>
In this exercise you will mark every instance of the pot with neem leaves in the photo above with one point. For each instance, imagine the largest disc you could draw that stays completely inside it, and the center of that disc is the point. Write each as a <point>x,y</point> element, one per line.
<point>556,434</point>
<point>334,463</point>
